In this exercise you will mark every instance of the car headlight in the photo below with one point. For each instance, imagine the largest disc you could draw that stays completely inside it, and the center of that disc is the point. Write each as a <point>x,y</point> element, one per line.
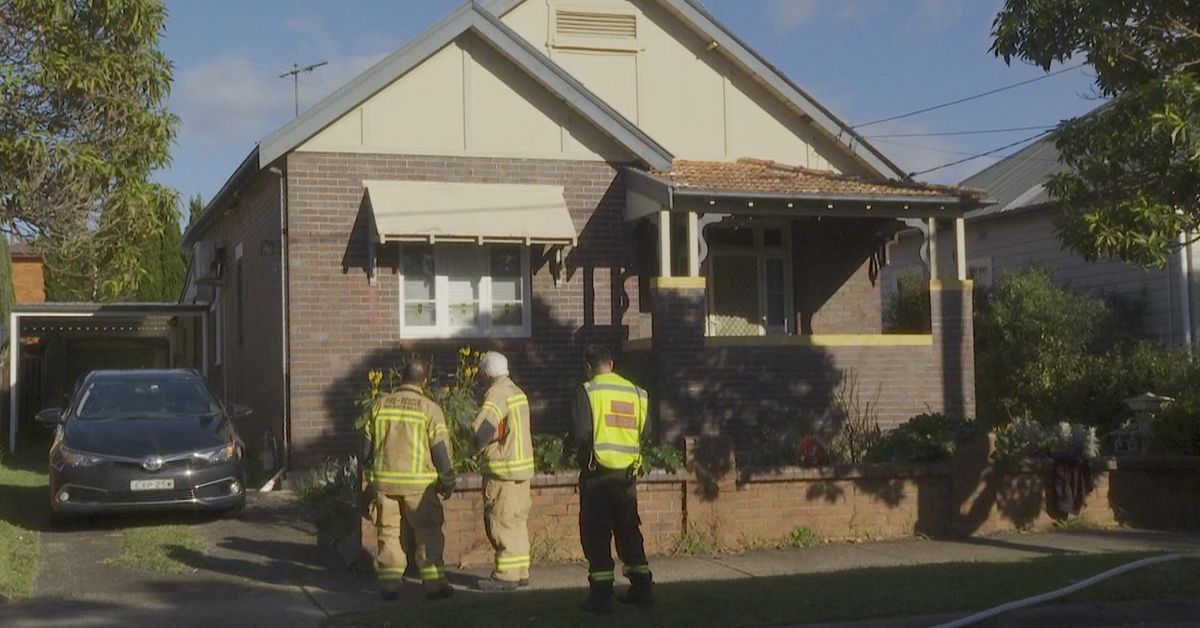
<point>72,458</point>
<point>224,453</point>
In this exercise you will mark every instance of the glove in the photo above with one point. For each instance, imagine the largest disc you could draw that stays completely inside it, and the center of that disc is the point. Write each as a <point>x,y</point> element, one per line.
<point>445,486</point>
<point>367,501</point>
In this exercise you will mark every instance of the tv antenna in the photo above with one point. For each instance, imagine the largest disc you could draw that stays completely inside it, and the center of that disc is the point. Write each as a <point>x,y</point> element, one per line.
<point>295,73</point>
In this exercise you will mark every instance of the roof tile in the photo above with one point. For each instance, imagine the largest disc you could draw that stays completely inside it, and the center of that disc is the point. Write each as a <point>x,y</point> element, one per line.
<point>758,176</point>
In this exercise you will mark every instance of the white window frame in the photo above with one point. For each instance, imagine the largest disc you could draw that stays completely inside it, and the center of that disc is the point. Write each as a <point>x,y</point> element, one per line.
<point>761,252</point>
<point>441,288</point>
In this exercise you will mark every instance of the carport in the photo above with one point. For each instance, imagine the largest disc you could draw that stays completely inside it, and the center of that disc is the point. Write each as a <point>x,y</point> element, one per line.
<point>52,344</point>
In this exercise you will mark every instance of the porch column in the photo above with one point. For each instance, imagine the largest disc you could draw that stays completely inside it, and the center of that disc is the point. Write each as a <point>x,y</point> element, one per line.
<point>679,356</point>
<point>931,239</point>
<point>693,243</point>
<point>14,360</point>
<point>664,243</point>
<point>960,247</point>
<point>951,310</point>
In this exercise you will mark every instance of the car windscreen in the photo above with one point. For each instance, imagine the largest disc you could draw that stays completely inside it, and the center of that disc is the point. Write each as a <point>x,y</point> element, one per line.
<point>120,398</point>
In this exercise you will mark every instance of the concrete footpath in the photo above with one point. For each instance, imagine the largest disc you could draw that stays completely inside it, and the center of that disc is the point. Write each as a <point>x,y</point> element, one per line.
<point>264,570</point>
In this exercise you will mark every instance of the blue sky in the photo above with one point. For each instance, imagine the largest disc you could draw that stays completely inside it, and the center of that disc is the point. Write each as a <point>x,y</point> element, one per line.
<point>863,59</point>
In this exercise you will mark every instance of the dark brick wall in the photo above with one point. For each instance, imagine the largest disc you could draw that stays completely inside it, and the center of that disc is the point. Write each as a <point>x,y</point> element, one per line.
<point>251,373</point>
<point>835,290</point>
<point>342,326</point>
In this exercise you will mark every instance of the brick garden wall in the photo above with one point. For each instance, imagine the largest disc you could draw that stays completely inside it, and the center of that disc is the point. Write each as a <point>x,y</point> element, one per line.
<point>756,508</point>
<point>342,326</point>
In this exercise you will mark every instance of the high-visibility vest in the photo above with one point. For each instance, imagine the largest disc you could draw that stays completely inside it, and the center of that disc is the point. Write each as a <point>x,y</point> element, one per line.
<point>618,420</point>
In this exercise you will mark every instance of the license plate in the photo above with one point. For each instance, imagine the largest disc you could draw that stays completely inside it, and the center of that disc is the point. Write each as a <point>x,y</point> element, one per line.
<point>151,485</point>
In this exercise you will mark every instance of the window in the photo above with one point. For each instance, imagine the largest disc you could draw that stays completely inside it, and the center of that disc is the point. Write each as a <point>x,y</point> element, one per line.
<point>980,271</point>
<point>750,280</point>
<point>464,290</point>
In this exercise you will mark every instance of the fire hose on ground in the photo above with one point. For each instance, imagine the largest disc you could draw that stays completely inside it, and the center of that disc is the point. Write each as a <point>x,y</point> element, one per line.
<point>1065,591</point>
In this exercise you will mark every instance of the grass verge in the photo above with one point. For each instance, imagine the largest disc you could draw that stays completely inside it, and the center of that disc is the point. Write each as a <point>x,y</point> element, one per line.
<point>23,487</point>
<point>155,548</point>
<point>847,595</point>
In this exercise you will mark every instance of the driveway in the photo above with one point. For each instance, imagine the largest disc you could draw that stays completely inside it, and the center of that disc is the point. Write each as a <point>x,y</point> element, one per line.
<point>259,570</point>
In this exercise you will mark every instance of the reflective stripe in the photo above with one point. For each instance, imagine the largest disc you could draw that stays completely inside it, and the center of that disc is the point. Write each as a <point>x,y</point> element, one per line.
<point>625,449</point>
<point>390,573</point>
<point>632,390</point>
<point>494,409</point>
<point>636,569</point>
<point>601,576</point>
<point>402,416</point>
<point>397,477</point>
<point>438,431</point>
<point>509,465</point>
<point>434,572</point>
<point>512,562</point>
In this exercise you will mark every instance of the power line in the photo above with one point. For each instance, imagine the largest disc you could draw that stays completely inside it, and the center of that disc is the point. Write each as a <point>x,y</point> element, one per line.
<point>978,155</point>
<point>968,98</point>
<point>973,132</point>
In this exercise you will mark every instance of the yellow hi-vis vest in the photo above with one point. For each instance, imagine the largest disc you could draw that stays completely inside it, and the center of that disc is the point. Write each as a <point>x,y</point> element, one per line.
<point>618,420</point>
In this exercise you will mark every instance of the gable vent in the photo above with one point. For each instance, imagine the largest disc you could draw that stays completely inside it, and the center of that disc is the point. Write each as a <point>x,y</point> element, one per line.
<point>574,28</point>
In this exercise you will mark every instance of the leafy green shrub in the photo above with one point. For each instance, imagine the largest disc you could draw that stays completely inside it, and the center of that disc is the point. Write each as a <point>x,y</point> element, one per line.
<point>923,438</point>
<point>802,536</point>
<point>907,310</point>
<point>548,454</point>
<point>329,493</point>
<point>1024,440</point>
<point>1177,428</point>
<point>660,457</point>
<point>1047,354</point>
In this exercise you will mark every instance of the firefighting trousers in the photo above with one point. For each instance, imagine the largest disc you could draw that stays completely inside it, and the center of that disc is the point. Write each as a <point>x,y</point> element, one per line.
<point>423,514</point>
<point>607,509</point>
<point>505,516</point>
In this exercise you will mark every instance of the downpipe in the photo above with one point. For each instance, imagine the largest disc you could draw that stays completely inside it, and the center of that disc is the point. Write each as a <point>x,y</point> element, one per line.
<point>1065,591</point>
<point>285,410</point>
<point>1185,291</point>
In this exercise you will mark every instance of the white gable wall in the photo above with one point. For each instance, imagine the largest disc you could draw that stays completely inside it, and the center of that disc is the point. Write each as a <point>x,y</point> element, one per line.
<point>688,98</point>
<point>466,99</point>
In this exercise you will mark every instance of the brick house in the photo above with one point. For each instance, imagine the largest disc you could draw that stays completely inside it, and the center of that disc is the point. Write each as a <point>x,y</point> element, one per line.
<point>535,176</point>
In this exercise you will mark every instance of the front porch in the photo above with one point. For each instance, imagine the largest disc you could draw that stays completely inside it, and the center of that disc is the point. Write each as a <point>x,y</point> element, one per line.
<point>765,303</point>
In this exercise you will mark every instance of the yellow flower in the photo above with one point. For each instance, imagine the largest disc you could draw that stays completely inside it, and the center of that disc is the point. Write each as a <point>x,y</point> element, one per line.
<point>376,378</point>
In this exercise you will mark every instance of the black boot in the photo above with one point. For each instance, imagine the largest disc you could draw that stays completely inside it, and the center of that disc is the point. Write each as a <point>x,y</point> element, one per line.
<point>640,593</point>
<point>599,599</point>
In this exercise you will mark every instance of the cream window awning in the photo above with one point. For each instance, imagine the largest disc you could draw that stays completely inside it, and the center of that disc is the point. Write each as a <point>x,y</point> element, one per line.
<point>436,211</point>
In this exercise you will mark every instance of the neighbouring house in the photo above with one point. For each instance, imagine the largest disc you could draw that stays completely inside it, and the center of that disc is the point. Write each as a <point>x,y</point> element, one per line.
<point>28,275</point>
<point>1018,232</point>
<point>533,176</point>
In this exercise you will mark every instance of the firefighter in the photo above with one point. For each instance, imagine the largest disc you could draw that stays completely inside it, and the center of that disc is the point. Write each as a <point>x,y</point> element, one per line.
<point>505,441</point>
<point>410,467</point>
<point>606,435</point>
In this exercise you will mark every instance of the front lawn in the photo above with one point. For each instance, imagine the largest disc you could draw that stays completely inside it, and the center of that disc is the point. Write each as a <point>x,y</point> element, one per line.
<point>157,548</point>
<point>23,490</point>
<point>847,595</point>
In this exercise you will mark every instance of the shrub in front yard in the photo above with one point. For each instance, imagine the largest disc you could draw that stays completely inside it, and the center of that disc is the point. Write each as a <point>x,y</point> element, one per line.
<point>1047,354</point>
<point>907,309</point>
<point>1177,428</point>
<point>330,493</point>
<point>923,438</point>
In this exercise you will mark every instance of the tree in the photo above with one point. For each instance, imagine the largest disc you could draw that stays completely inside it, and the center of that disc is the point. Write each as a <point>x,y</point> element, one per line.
<point>82,125</point>
<point>7,291</point>
<point>195,208</point>
<point>1133,183</point>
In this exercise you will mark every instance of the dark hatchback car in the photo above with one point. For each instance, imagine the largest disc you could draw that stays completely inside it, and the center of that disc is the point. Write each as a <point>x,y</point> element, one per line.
<point>144,440</point>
